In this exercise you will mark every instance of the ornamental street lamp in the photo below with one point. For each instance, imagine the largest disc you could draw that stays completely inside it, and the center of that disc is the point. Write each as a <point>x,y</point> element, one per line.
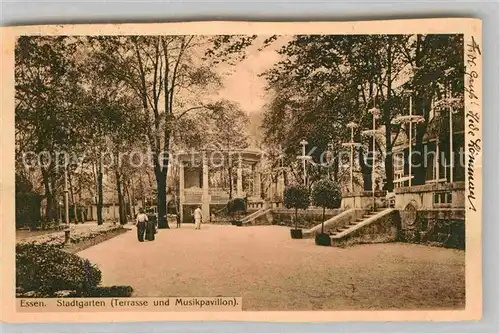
<point>451,111</point>
<point>304,158</point>
<point>373,132</point>
<point>352,145</point>
<point>410,119</point>
<point>448,102</point>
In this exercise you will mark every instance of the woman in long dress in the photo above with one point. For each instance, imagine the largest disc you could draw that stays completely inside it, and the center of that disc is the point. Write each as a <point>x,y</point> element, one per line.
<point>150,230</point>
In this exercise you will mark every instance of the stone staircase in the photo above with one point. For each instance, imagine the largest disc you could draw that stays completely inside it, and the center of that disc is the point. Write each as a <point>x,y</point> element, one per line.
<point>352,224</point>
<point>373,227</point>
<point>333,223</point>
<point>253,217</point>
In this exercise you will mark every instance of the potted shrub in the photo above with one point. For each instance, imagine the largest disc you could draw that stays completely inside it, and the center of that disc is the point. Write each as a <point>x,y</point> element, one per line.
<point>325,194</point>
<point>296,197</point>
<point>235,208</point>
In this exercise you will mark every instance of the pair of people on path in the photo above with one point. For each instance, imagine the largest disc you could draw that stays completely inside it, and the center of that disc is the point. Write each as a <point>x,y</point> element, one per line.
<point>145,228</point>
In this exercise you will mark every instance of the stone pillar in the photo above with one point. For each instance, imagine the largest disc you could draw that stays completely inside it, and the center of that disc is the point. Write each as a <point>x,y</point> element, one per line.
<point>181,190</point>
<point>239,181</point>
<point>281,185</point>
<point>205,198</point>
<point>256,181</point>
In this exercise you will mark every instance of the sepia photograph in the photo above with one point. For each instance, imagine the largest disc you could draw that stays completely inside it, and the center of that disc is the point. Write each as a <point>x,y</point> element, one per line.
<point>245,172</point>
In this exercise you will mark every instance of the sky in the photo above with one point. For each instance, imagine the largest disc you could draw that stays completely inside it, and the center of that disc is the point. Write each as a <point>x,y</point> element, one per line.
<point>244,85</point>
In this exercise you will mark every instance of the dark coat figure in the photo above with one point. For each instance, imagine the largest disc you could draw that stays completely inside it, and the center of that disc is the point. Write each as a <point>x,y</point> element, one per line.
<point>150,230</point>
<point>178,218</point>
<point>142,220</point>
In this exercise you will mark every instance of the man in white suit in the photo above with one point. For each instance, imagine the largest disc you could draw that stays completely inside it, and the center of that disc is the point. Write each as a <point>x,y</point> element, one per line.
<point>197,218</point>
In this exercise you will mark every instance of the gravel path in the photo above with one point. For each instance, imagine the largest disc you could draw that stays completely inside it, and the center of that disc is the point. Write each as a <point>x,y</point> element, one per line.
<point>271,271</point>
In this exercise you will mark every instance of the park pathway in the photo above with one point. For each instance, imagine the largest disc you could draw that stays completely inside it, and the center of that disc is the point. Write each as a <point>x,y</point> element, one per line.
<point>271,271</point>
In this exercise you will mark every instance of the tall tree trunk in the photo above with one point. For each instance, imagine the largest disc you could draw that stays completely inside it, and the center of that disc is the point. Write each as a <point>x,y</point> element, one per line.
<point>230,174</point>
<point>336,170</point>
<point>82,207</point>
<point>72,193</point>
<point>51,209</point>
<point>323,222</point>
<point>296,219</point>
<point>121,204</point>
<point>99,194</point>
<point>419,171</point>
<point>129,198</point>
<point>388,163</point>
<point>366,169</point>
<point>161,195</point>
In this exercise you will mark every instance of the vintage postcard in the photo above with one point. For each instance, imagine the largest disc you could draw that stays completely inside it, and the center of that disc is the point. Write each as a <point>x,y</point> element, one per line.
<point>242,171</point>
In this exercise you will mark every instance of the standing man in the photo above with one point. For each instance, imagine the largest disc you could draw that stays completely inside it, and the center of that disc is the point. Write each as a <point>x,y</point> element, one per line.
<point>197,218</point>
<point>178,219</point>
<point>141,220</point>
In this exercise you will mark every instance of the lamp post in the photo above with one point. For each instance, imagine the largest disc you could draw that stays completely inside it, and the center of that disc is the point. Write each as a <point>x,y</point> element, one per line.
<point>373,132</point>
<point>329,159</point>
<point>304,158</point>
<point>351,144</point>
<point>67,231</point>
<point>60,211</point>
<point>410,119</point>
<point>451,111</point>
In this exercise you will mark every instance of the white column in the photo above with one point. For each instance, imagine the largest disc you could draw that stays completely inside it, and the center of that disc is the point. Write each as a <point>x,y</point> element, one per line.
<point>281,184</point>
<point>254,184</point>
<point>352,159</point>
<point>257,181</point>
<point>373,162</point>
<point>181,190</point>
<point>451,145</point>
<point>450,110</point>
<point>205,199</point>
<point>304,163</point>
<point>409,146</point>
<point>239,181</point>
<point>436,167</point>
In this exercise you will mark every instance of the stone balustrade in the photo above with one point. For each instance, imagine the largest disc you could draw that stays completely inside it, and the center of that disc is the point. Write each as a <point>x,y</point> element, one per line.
<point>432,196</point>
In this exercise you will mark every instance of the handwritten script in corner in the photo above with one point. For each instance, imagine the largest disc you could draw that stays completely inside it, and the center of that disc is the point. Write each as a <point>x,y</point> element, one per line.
<point>473,118</point>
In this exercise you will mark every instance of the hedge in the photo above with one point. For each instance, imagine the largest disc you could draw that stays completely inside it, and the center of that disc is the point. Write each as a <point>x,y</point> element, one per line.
<point>47,269</point>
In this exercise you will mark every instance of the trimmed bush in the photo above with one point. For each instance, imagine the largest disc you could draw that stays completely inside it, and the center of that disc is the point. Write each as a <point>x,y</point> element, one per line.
<point>326,194</point>
<point>47,269</point>
<point>296,197</point>
<point>236,205</point>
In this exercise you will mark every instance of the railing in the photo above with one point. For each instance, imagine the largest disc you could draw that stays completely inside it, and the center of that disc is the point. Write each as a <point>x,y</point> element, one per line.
<point>218,195</point>
<point>193,195</point>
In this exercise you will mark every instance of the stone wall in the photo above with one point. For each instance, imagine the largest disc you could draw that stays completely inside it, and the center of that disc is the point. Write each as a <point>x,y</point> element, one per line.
<point>437,227</point>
